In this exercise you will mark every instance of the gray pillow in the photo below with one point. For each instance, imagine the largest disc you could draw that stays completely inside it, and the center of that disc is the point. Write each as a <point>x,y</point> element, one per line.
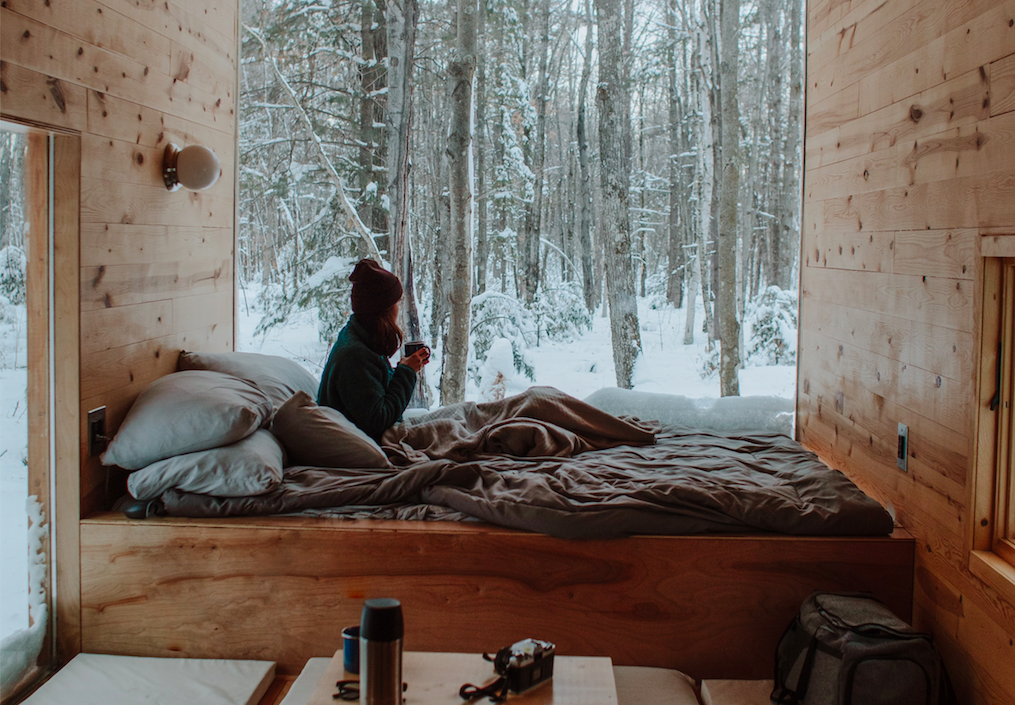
<point>322,437</point>
<point>185,412</point>
<point>277,377</point>
<point>251,466</point>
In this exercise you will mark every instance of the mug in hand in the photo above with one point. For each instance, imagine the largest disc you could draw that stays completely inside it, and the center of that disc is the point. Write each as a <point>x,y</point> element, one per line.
<point>413,346</point>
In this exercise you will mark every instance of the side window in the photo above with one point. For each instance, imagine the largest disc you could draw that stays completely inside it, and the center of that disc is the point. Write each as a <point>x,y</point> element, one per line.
<point>26,404</point>
<point>993,557</point>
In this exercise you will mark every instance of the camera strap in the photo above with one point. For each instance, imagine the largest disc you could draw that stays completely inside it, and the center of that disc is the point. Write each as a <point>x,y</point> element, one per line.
<point>498,689</point>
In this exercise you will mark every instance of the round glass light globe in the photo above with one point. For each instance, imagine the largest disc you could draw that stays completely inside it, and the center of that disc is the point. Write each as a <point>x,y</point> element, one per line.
<point>197,167</point>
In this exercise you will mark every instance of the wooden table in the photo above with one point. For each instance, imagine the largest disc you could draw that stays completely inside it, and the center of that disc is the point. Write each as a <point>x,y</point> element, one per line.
<point>434,679</point>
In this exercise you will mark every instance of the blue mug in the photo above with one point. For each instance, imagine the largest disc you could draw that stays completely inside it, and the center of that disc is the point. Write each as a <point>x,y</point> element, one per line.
<point>350,648</point>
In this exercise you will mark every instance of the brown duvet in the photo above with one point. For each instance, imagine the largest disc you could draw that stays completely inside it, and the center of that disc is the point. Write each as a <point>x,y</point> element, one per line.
<point>544,461</point>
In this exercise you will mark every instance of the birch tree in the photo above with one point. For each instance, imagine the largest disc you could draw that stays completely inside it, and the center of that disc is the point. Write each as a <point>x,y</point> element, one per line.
<point>589,289</point>
<point>461,71</point>
<point>613,222</point>
<point>729,326</point>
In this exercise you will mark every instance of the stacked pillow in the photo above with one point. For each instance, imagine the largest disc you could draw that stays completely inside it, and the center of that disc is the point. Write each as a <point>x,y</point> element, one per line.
<point>204,429</point>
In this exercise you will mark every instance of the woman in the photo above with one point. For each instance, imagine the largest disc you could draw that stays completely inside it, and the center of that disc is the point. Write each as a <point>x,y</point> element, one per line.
<point>358,380</point>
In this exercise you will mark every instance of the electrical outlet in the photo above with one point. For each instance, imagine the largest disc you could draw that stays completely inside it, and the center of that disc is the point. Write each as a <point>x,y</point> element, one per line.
<point>902,453</point>
<point>97,440</point>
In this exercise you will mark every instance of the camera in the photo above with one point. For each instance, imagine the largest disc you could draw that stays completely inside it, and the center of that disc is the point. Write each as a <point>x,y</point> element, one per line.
<point>525,664</point>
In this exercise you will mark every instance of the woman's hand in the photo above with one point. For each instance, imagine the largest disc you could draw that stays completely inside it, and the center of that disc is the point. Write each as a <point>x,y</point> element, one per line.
<point>417,360</point>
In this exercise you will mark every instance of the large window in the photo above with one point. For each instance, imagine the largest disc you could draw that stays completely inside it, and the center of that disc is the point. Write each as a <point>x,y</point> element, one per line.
<point>26,285</point>
<point>993,558</point>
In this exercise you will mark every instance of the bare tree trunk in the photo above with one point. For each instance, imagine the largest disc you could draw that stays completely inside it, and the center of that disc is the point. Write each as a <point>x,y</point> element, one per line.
<point>706,183</point>
<point>372,152</point>
<point>402,16</point>
<point>614,225</point>
<point>790,240</point>
<point>482,200</point>
<point>589,289</point>
<point>532,226</point>
<point>461,71</point>
<point>675,252</point>
<point>726,300</point>
<point>692,294</point>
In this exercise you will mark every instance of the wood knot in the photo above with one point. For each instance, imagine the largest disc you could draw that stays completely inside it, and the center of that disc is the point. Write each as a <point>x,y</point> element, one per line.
<point>915,113</point>
<point>866,174</point>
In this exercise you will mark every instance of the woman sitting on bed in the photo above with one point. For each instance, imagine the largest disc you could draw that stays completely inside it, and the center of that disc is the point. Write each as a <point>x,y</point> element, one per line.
<point>358,380</point>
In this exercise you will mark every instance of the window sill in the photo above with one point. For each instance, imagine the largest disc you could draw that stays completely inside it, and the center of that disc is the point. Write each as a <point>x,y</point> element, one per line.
<point>995,572</point>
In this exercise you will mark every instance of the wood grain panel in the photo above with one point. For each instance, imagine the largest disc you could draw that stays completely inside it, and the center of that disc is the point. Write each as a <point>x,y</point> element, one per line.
<point>105,244</point>
<point>217,587</point>
<point>866,252</point>
<point>943,302</point>
<point>966,48</point>
<point>125,284</point>
<point>105,328</point>
<point>910,386</point>
<point>151,204</point>
<point>979,201</point>
<point>964,151</point>
<point>1002,85</point>
<point>39,99</point>
<point>930,347</point>
<point>128,369</point>
<point>834,111</point>
<point>132,122</point>
<point>882,44</point>
<point>862,21</point>
<point>960,101</point>
<point>100,26</point>
<point>41,48</point>
<point>949,254</point>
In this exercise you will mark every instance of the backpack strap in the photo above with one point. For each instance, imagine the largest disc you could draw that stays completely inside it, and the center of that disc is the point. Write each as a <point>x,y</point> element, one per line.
<point>782,694</point>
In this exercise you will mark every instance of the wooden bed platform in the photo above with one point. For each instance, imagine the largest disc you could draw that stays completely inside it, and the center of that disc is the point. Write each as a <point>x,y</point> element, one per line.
<point>282,588</point>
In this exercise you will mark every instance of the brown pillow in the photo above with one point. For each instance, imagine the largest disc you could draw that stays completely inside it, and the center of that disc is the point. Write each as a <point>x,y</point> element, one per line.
<point>322,437</point>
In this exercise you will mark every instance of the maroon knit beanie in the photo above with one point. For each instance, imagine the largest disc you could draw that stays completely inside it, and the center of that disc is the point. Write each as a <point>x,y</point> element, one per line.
<point>374,289</point>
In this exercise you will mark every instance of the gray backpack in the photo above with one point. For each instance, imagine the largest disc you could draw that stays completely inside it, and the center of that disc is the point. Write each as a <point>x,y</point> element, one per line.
<point>850,649</point>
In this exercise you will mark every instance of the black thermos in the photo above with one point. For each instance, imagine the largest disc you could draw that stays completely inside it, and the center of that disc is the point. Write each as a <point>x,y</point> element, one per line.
<point>380,652</point>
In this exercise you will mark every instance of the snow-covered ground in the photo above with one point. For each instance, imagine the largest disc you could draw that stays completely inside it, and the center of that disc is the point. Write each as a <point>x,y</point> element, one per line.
<point>579,367</point>
<point>13,471</point>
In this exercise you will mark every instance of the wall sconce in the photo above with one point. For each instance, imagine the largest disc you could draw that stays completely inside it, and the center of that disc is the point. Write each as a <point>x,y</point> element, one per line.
<point>195,167</point>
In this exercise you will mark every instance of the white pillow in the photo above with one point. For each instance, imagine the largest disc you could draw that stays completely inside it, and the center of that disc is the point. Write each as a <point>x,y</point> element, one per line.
<point>186,412</point>
<point>322,437</point>
<point>278,377</point>
<point>248,467</point>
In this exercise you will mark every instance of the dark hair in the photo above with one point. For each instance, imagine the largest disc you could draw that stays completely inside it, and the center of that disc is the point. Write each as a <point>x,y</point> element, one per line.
<point>384,336</point>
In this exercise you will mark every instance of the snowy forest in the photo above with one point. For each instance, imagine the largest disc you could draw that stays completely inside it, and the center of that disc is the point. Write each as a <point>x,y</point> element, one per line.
<point>526,165</point>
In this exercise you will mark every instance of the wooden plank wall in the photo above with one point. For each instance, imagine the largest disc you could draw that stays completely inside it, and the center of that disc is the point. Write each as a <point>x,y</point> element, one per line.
<point>156,268</point>
<point>909,182</point>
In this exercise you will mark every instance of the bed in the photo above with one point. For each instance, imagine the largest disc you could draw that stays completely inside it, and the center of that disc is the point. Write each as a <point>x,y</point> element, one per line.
<point>597,561</point>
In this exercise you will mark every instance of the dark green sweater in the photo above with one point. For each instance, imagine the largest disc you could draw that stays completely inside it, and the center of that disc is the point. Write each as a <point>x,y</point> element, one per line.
<point>361,384</point>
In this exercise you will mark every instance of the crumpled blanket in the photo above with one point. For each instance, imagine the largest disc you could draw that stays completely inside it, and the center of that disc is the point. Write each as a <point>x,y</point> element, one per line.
<point>540,422</point>
<point>544,461</point>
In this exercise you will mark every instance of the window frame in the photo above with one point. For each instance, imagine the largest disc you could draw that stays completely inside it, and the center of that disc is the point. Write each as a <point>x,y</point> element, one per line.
<point>55,444</point>
<point>992,555</point>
